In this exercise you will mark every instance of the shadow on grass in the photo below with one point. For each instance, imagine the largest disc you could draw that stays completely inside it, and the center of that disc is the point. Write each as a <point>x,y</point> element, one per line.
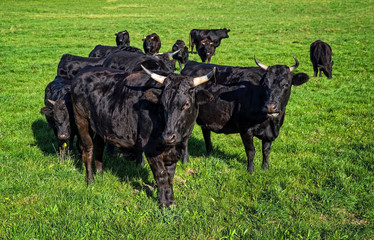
<point>123,168</point>
<point>196,148</point>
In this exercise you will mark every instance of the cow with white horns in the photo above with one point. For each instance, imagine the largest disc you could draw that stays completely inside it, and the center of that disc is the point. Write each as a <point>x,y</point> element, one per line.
<point>143,112</point>
<point>247,100</point>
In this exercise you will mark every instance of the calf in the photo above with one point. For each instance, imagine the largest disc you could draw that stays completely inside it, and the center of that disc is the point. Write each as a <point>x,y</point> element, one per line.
<point>320,56</point>
<point>247,100</point>
<point>206,50</point>
<point>151,44</point>
<point>182,55</point>
<point>123,38</point>
<point>58,111</point>
<point>135,112</point>
<point>214,35</point>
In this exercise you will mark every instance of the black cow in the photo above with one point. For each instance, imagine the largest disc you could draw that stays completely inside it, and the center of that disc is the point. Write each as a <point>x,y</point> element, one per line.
<point>206,50</point>
<point>320,56</point>
<point>151,44</point>
<point>122,38</point>
<point>58,111</point>
<point>182,55</point>
<point>102,51</point>
<point>247,100</point>
<point>135,112</point>
<point>70,65</point>
<point>215,35</point>
<point>130,62</point>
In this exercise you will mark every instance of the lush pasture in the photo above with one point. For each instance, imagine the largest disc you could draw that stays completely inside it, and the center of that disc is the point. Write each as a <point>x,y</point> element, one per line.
<point>320,184</point>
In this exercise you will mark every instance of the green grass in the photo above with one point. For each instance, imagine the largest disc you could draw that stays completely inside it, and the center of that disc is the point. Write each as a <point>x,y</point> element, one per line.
<point>320,182</point>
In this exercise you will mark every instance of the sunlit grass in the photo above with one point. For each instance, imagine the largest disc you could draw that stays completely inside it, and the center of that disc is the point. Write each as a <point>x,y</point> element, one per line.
<point>320,181</point>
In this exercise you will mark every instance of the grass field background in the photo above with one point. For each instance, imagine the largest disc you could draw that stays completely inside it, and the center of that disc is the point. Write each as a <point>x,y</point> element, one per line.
<point>320,182</point>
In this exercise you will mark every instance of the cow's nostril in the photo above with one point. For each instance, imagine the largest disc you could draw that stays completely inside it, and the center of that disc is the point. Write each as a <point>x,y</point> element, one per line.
<point>271,108</point>
<point>170,138</point>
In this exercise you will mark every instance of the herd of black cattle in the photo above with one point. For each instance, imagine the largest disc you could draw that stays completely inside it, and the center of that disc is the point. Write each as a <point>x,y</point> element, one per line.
<point>132,99</point>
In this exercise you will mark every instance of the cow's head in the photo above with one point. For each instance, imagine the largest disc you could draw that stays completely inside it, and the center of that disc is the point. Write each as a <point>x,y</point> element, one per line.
<point>180,100</point>
<point>60,115</point>
<point>277,81</point>
<point>151,43</point>
<point>206,49</point>
<point>327,69</point>
<point>122,38</point>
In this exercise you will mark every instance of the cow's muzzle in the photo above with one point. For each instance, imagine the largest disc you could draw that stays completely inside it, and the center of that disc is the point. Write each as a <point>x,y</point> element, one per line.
<point>170,138</point>
<point>63,136</point>
<point>272,110</point>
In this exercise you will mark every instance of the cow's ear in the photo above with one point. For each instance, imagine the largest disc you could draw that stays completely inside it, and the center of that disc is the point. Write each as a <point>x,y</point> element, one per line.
<point>203,97</point>
<point>299,79</point>
<point>151,96</point>
<point>46,111</point>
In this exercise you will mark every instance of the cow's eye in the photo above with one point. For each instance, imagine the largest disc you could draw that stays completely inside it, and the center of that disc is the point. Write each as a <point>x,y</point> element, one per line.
<point>187,105</point>
<point>286,85</point>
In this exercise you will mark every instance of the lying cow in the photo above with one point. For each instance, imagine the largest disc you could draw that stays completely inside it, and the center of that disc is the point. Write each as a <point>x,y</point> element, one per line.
<point>151,44</point>
<point>135,112</point>
<point>247,100</point>
<point>320,56</point>
<point>182,56</point>
<point>206,50</point>
<point>58,111</point>
<point>214,35</point>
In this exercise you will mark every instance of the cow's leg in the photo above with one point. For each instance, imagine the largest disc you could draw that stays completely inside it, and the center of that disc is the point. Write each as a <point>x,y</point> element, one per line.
<point>109,149</point>
<point>164,177</point>
<point>249,150</point>
<point>139,158</point>
<point>320,72</point>
<point>208,142</point>
<point>86,145</point>
<point>266,145</point>
<point>99,150</point>
<point>315,68</point>
<point>180,65</point>
<point>185,156</point>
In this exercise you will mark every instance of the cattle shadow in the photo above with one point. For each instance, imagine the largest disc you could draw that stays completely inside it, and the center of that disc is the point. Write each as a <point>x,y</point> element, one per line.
<point>196,148</point>
<point>123,168</point>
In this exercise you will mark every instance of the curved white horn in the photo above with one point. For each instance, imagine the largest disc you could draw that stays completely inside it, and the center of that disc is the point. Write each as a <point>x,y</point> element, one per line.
<point>51,101</point>
<point>200,80</point>
<point>154,76</point>
<point>296,64</point>
<point>263,66</point>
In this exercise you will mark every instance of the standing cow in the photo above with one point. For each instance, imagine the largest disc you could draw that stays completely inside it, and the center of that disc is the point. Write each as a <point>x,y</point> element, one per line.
<point>58,111</point>
<point>206,50</point>
<point>247,100</point>
<point>122,38</point>
<point>151,44</point>
<point>182,55</point>
<point>214,35</point>
<point>102,51</point>
<point>70,65</point>
<point>131,62</point>
<point>135,112</point>
<point>320,56</point>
